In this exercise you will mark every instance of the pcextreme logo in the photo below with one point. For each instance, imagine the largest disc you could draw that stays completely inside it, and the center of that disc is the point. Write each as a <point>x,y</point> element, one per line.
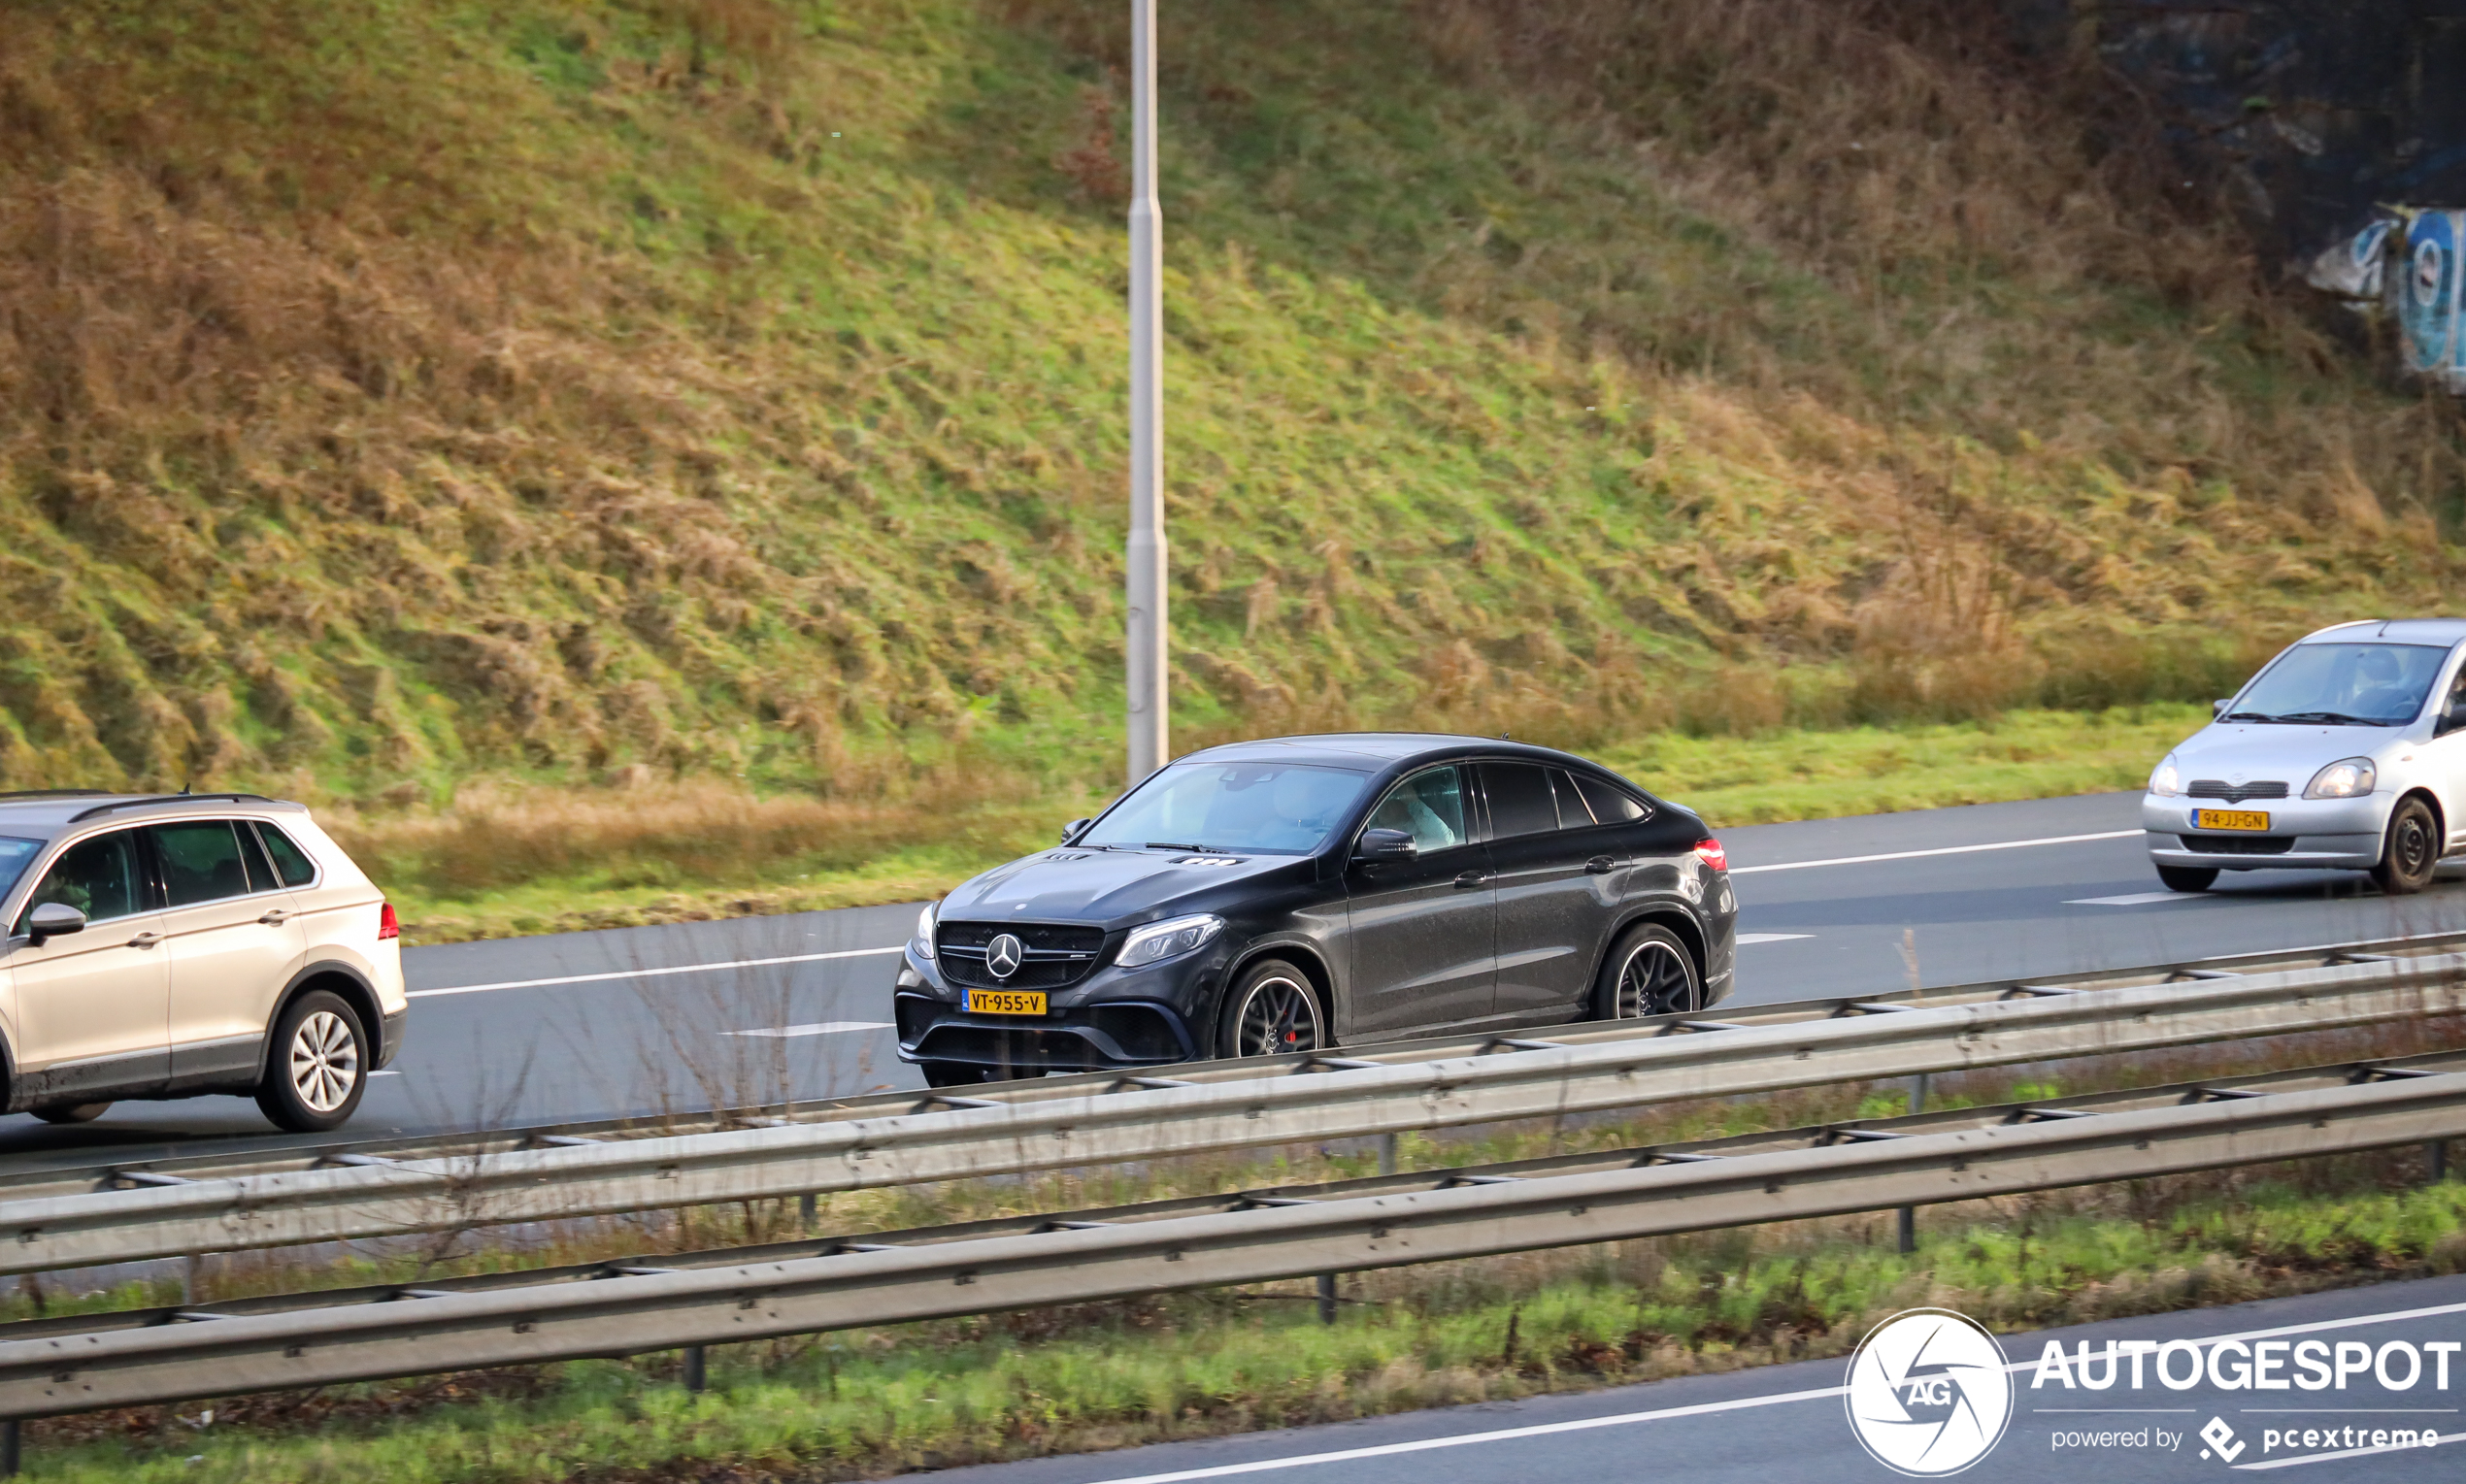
<point>1930,1393</point>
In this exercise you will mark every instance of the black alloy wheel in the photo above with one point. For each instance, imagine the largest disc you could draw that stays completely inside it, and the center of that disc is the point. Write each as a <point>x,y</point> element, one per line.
<point>1272,1012</point>
<point>2410,851</point>
<point>1649,973</point>
<point>71,1113</point>
<point>2187,877</point>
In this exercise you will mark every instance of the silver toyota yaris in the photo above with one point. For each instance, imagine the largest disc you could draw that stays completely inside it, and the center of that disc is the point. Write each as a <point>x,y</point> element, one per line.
<point>2347,752</point>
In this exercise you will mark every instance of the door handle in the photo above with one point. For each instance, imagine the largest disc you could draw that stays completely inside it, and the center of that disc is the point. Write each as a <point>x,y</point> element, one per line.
<point>145,939</point>
<point>1600,866</point>
<point>1473,878</point>
<point>274,917</point>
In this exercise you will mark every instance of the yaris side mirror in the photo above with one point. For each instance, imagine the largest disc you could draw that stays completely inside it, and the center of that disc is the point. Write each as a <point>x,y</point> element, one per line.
<point>2217,708</point>
<point>1070,831</point>
<point>53,919</point>
<point>1385,846</point>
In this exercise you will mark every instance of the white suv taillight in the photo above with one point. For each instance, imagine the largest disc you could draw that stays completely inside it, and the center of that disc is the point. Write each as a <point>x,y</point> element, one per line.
<point>388,924</point>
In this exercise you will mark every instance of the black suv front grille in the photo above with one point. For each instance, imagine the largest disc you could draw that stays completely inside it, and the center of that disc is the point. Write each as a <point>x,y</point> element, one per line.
<point>1057,955</point>
<point>2235,793</point>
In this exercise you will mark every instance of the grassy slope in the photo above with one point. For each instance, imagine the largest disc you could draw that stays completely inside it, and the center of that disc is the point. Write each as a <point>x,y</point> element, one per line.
<point>401,392</point>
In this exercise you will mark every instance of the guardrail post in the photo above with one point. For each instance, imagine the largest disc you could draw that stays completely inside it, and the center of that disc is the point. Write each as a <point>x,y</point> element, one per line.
<point>1909,1214</point>
<point>192,1279</point>
<point>1387,1154</point>
<point>805,1211</point>
<point>1326,1298</point>
<point>2436,1161</point>
<point>697,1373</point>
<point>11,1442</point>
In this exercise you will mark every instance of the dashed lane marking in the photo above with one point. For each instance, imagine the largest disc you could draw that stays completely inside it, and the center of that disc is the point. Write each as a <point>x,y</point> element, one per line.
<point>654,974</point>
<point>2136,898</point>
<point>817,1028</point>
<point>1912,855</point>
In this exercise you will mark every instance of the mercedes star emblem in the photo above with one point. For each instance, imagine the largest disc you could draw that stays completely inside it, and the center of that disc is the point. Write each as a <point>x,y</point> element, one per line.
<point>1004,955</point>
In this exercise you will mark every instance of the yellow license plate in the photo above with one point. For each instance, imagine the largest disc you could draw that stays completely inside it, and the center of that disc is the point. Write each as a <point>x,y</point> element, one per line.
<point>1006,1002</point>
<point>2230,820</point>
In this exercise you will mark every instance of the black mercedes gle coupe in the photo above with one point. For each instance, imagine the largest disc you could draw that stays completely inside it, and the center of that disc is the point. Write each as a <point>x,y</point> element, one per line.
<point>1292,894</point>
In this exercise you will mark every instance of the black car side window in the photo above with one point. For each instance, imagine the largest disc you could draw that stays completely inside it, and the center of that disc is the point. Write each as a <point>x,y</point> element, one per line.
<point>1429,807</point>
<point>1573,812</point>
<point>1520,800</point>
<point>1609,804</point>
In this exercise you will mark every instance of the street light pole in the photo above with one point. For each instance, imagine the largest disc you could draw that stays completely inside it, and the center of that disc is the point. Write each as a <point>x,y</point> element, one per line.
<point>1144,649</point>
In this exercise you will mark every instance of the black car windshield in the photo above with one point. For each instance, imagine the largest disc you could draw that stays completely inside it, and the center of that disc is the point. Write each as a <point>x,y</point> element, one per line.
<point>2382,686</point>
<point>1280,809</point>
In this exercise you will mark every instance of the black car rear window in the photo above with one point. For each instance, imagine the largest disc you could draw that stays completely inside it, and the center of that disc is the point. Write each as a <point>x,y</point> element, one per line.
<point>1610,805</point>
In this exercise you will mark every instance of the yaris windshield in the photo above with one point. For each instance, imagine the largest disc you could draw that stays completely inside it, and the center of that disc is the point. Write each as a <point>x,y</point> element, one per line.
<point>2380,686</point>
<point>1281,808</point>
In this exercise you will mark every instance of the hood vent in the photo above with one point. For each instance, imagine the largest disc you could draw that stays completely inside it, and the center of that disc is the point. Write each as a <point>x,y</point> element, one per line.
<point>1208,860</point>
<point>2235,793</point>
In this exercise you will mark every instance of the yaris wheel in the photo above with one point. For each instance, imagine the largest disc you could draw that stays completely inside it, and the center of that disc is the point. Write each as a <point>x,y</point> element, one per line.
<point>2410,851</point>
<point>1272,1012</point>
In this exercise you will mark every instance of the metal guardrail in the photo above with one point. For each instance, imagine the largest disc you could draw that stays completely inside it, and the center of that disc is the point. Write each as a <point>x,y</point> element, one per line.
<point>1422,1085</point>
<point>613,1309</point>
<point>73,1172</point>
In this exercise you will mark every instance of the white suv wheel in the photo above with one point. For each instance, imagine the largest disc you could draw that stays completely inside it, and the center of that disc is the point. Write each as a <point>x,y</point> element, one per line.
<point>324,1061</point>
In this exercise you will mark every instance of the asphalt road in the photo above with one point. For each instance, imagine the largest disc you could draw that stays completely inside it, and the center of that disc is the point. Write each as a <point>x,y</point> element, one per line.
<point>1789,1424</point>
<point>637,1020</point>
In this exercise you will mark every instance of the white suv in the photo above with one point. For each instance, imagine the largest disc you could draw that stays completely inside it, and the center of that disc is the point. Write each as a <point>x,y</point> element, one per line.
<point>174,946</point>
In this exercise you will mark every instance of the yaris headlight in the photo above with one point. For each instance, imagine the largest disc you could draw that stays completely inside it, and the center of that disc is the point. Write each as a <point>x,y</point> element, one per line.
<point>2168,780</point>
<point>923,945</point>
<point>1171,939</point>
<point>2349,779</point>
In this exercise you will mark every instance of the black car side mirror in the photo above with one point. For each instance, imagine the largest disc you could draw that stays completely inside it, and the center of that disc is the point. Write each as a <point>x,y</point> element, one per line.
<point>1385,846</point>
<point>2217,708</point>
<point>53,919</point>
<point>1070,831</point>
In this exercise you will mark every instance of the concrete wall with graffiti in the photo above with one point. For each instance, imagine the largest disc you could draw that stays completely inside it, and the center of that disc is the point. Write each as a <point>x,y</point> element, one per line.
<point>2404,264</point>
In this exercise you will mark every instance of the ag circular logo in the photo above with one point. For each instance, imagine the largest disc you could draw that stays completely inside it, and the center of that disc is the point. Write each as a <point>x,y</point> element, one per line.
<point>1929,1393</point>
<point>1004,955</point>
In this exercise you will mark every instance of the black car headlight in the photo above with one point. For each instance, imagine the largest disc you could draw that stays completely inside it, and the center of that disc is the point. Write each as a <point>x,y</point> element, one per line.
<point>1171,939</point>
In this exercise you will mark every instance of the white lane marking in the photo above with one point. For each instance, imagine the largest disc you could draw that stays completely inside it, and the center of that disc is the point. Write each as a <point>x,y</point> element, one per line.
<point>652,974</point>
<point>392,1072</point>
<point>817,1028</point>
<point>2323,1458</point>
<point>2137,899</point>
<point>1741,1403</point>
<point>1911,855</point>
<point>1744,939</point>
